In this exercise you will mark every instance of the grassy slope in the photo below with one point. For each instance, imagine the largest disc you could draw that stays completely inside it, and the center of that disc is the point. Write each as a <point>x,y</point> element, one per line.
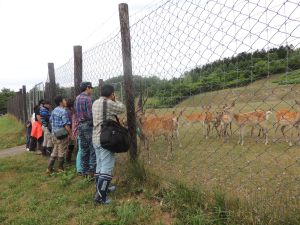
<point>11,132</point>
<point>262,177</point>
<point>28,196</point>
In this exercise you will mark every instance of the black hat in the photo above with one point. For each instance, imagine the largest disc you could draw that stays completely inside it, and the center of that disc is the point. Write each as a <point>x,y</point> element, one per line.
<point>85,85</point>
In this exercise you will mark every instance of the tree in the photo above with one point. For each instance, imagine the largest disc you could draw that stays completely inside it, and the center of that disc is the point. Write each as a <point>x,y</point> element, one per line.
<point>5,94</point>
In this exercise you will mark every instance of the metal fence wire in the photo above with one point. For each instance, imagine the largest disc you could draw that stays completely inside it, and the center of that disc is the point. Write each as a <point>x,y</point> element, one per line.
<point>220,82</point>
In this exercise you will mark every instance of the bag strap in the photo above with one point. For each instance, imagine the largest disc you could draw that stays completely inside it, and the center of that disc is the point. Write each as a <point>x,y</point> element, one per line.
<point>104,110</point>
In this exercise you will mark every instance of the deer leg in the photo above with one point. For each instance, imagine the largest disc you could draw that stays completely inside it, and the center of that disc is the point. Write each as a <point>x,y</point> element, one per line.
<point>241,135</point>
<point>148,150</point>
<point>282,128</point>
<point>177,133</point>
<point>252,129</point>
<point>291,136</point>
<point>230,126</point>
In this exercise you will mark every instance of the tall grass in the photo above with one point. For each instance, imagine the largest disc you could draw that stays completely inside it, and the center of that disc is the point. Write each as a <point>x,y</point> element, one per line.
<point>12,132</point>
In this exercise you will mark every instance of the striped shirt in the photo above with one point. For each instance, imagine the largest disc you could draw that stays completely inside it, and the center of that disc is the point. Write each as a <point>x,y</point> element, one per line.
<point>113,109</point>
<point>83,107</point>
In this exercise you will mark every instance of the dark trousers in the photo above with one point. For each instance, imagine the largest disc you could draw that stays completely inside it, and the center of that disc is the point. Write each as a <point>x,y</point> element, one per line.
<point>88,156</point>
<point>28,132</point>
<point>35,144</point>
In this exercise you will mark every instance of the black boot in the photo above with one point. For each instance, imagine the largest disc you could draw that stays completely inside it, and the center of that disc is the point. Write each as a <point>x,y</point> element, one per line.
<point>69,153</point>
<point>102,184</point>
<point>51,164</point>
<point>61,161</point>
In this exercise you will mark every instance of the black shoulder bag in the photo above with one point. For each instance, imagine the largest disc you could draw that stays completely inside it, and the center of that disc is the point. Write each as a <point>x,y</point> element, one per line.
<point>114,137</point>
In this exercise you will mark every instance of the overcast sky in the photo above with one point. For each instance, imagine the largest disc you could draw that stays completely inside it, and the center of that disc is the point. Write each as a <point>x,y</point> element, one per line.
<point>173,39</point>
<point>35,32</point>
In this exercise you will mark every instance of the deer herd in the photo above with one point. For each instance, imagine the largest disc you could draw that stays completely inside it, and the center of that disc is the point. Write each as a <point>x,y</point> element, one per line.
<point>152,125</point>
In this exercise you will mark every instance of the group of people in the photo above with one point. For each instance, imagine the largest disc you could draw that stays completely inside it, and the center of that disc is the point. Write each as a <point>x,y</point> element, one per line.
<point>77,125</point>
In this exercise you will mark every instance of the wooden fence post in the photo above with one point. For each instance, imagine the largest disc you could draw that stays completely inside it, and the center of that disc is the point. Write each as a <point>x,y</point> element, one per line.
<point>52,83</point>
<point>127,70</point>
<point>25,114</point>
<point>77,69</point>
<point>20,105</point>
<point>100,84</point>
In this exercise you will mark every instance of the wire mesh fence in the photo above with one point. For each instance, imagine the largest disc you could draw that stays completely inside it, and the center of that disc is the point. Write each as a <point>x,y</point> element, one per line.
<point>220,82</point>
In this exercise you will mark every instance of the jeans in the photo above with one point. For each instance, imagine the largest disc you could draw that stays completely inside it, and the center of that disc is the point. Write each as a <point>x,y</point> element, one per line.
<point>105,160</point>
<point>88,157</point>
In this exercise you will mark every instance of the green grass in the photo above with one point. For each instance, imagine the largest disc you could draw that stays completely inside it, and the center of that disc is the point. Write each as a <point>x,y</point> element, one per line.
<point>28,196</point>
<point>290,78</point>
<point>12,132</point>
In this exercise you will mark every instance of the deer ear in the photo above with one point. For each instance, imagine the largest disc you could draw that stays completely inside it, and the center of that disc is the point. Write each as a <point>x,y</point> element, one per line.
<point>297,102</point>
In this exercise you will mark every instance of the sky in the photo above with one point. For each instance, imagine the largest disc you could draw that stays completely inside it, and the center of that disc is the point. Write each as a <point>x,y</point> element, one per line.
<point>35,32</point>
<point>176,37</point>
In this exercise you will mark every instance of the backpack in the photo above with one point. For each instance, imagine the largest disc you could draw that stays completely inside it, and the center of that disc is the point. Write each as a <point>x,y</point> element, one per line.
<point>114,137</point>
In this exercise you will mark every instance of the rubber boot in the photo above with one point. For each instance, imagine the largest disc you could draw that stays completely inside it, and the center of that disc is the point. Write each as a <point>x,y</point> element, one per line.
<point>61,161</point>
<point>102,185</point>
<point>69,153</point>
<point>110,189</point>
<point>44,151</point>
<point>48,151</point>
<point>51,164</point>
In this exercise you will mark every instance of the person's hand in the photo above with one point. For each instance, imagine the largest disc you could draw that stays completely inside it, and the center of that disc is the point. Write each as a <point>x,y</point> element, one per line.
<point>114,97</point>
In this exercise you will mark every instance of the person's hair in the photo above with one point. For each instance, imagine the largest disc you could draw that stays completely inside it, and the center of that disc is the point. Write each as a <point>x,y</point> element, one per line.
<point>36,107</point>
<point>46,102</point>
<point>41,101</point>
<point>107,90</point>
<point>70,103</point>
<point>58,100</point>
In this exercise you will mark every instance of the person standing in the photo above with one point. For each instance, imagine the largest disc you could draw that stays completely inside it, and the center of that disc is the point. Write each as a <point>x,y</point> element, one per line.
<point>83,111</point>
<point>61,131</point>
<point>46,127</point>
<point>36,140</point>
<point>105,158</point>
<point>71,146</point>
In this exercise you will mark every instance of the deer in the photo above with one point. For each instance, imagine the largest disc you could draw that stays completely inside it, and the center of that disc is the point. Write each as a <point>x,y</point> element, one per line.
<point>151,127</point>
<point>286,118</point>
<point>218,124</point>
<point>205,117</point>
<point>254,118</point>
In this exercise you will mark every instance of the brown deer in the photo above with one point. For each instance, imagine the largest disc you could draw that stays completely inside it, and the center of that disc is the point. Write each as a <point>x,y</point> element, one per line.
<point>151,127</point>
<point>286,118</point>
<point>255,118</point>
<point>205,117</point>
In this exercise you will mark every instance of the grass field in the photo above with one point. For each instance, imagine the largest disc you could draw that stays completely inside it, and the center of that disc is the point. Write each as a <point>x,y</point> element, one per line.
<point>265,179</point>
<point>12,132</point>
<point>205,182</point>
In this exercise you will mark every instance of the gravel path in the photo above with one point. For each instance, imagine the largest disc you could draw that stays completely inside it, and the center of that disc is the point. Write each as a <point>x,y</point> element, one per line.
<point>12,151</point>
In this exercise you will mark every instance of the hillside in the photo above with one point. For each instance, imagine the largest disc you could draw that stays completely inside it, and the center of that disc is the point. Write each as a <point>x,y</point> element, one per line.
<point>265,93</point>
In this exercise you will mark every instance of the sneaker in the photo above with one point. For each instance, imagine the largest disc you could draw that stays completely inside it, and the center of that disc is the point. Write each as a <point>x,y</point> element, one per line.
<point>60,170</point>
<point>111,189</point>
<point>48,172</point>
<point>107,202</point>
<point>27,149</point>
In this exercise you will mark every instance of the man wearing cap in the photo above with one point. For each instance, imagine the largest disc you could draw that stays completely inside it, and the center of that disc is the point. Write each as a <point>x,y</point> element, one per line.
<point>83,110</point>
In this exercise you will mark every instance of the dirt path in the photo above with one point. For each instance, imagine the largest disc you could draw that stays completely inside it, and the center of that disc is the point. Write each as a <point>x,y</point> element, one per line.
<point>12,151</point>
